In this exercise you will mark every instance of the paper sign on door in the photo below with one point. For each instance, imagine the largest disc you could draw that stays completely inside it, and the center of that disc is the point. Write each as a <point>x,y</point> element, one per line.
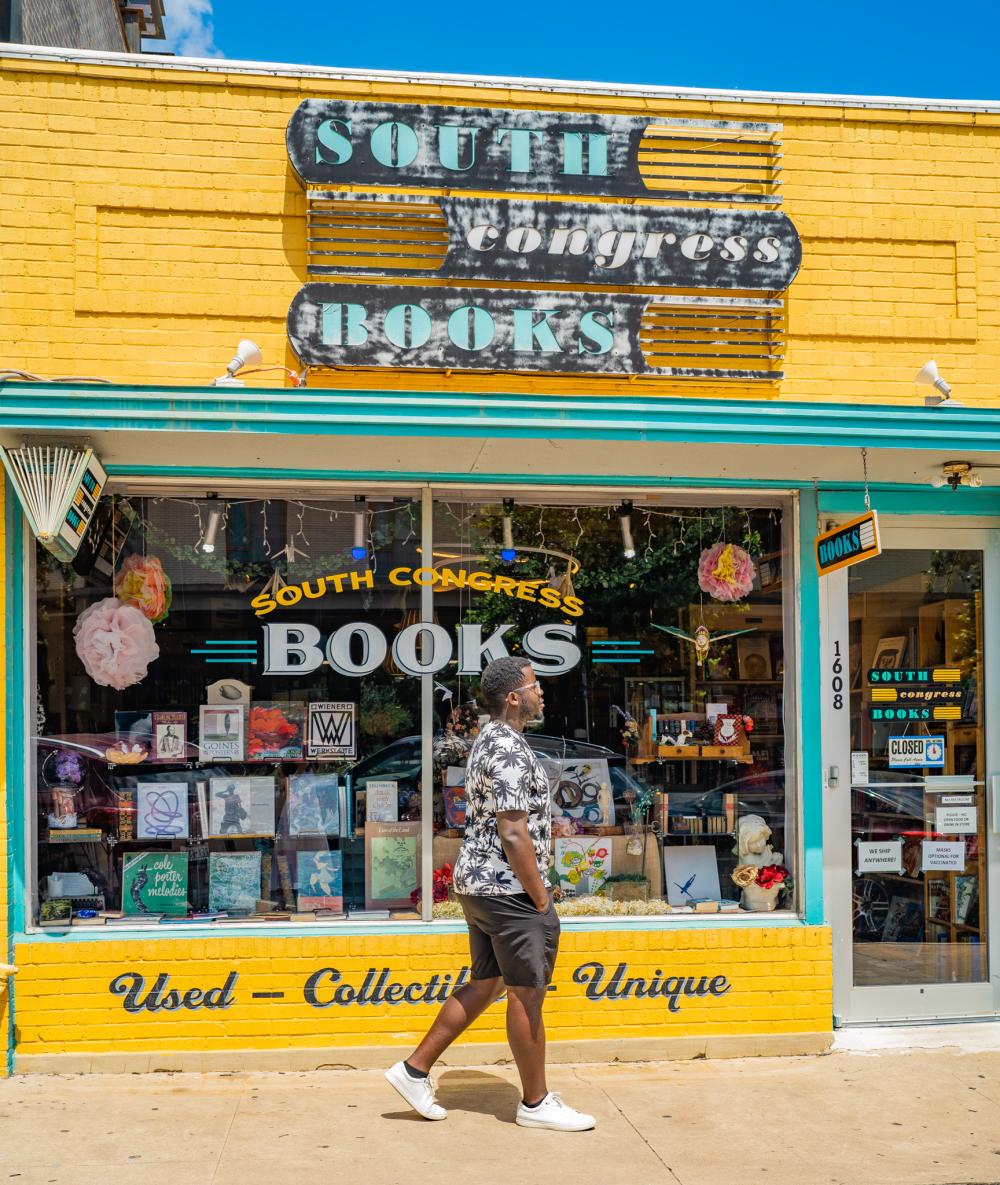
<point>942,857</point>
<point>955,820</point>
<point>884,856</point>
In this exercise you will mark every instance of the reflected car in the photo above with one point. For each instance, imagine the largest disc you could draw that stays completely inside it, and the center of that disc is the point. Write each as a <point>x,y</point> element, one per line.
<point>400,762</point>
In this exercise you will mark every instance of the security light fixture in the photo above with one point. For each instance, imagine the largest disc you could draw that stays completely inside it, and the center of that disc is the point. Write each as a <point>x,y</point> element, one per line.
<point>927,376</point>
<point>247,354</point>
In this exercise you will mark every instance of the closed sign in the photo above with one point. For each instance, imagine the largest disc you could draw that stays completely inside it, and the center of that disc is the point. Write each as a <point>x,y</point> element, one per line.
<point>916,752</point>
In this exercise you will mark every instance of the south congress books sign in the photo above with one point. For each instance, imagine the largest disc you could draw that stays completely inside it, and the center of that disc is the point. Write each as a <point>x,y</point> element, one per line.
<point>726,239</point>
<point>360,648</point>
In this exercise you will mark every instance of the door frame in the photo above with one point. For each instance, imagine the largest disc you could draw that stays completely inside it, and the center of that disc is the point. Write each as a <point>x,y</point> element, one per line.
<point>900,1003</point>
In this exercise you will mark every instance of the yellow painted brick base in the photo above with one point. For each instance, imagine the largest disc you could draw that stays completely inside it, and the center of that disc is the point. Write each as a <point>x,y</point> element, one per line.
<point>767,982</point>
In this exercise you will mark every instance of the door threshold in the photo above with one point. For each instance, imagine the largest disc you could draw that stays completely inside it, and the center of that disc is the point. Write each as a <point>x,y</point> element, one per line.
<point>979,1034</point>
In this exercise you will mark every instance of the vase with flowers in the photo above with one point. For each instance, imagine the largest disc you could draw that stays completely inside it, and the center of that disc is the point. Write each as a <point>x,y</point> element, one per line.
<point>761,885</point>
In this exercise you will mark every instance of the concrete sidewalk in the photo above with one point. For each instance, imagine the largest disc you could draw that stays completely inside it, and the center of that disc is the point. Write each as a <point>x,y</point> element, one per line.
<point>862,1115</point>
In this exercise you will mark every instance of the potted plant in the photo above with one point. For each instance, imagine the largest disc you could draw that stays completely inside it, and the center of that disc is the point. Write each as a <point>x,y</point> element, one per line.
<point>626,886</point>
<point>761,885</point>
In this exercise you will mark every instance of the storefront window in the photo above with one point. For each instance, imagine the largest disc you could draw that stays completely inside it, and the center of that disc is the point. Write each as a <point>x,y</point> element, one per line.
<point>665,691</point>
<point>192,761</point>
<point>229,695</point>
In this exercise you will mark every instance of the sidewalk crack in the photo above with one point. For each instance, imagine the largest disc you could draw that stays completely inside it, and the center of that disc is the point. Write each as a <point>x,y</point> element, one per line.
<point>225,1138</point>
<point>672,1175</point>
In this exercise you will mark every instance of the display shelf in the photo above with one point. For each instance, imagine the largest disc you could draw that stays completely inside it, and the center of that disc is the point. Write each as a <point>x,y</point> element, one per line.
<point>739,682</point>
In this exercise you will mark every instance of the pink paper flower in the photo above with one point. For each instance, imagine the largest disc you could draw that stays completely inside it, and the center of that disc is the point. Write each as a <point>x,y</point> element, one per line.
<point>726,572</point>
<point>141,581</point>
<point>115,643</point>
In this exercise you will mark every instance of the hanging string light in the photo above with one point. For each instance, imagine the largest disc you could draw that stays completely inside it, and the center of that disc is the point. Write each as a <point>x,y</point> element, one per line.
<point>507,552</point>
<point>359,551</point>
<point>625,521</point>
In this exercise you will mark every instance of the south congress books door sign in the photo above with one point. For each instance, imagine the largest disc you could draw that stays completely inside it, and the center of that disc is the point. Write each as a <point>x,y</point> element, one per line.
<point>356,325</point>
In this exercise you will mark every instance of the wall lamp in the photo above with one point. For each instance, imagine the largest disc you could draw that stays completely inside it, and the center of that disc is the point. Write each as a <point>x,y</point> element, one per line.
<point>248,354</point>
<point>955,474</point>
<point>940,394</point>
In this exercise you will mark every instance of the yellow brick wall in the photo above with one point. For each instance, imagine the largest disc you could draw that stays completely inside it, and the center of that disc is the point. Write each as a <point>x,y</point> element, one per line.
<point>780,983</point>
<point>150,219</point>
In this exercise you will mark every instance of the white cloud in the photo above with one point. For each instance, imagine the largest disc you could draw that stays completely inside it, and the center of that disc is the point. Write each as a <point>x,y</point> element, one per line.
<point>189,28</point>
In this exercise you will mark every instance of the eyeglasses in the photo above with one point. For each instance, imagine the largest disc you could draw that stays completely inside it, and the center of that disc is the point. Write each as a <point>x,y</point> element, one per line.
<point>528,686</point>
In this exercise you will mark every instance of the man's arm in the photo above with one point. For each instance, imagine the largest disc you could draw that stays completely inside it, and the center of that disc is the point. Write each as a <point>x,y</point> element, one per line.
<point>512,828</point>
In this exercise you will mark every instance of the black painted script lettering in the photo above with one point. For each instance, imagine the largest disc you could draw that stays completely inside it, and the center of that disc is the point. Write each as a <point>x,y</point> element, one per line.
<point>160,998</point>
<point>599,986</point>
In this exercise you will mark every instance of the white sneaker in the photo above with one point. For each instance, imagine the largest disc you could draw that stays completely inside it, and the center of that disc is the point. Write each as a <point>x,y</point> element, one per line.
<point>418,1092</point>
<point>555,1115</point>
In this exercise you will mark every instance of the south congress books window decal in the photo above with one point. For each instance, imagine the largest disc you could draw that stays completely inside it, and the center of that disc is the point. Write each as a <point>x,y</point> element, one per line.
<point>719,263</point>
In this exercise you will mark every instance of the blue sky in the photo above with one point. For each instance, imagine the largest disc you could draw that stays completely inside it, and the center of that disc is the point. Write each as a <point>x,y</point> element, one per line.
<point>937,50</point>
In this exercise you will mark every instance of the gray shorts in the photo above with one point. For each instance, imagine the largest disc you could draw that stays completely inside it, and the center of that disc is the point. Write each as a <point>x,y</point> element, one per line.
<point>510,939</point>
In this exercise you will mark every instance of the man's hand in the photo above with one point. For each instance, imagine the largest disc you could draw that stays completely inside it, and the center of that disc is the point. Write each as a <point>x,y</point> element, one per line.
<point>512,827</point>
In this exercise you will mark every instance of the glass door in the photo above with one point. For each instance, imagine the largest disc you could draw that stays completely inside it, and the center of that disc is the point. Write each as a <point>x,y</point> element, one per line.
<point>912,901</point>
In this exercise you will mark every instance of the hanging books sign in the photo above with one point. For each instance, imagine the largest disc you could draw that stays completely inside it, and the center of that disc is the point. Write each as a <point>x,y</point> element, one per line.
<point>848,544</point>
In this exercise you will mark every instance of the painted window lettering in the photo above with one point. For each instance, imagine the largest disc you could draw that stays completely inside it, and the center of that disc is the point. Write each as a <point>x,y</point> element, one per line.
<point>360,648</point>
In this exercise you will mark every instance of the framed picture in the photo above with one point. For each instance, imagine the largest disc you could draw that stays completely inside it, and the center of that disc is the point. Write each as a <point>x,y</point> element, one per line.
<point>155,883</point>
<point>314,804</point>
<point>754,657</point>
<point>233,881</point>
<point>576,788</point>
<point>275,731</point>
<point>889,654</point>
<point>691,874</point>
<point>241,806</point>
<point>319,880</point>
<point>582,863</point>
<point>169,736</point>
<point>220,732</point>
<point>161,810</point>
<point>381,802</point>
<point>392,864</point>
<point>455,798</point>
<point>330,730</point>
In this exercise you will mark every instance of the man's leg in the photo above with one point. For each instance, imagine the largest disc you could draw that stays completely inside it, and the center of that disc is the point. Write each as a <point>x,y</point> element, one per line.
<point>457,1013</point>
<point>526,1034</point>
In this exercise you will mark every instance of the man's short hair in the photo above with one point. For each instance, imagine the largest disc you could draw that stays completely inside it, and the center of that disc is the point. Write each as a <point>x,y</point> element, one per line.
<point>499,679</point>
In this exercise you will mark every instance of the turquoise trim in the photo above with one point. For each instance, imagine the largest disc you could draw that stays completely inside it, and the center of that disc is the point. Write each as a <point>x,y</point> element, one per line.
<point>417,929</point>
<point>322,411</point>
<point>811,714</point>
<point>13,744</point>
<point>920,499</point>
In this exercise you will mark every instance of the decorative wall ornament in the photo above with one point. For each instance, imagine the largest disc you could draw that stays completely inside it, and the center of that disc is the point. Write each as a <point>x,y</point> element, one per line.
<point>726,572</point>
<point>142,582</point>
<point>115,643</point>
<point>58,489</point>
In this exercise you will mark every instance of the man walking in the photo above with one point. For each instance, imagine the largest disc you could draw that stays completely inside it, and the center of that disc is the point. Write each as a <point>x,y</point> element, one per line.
<point>500,880</point>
